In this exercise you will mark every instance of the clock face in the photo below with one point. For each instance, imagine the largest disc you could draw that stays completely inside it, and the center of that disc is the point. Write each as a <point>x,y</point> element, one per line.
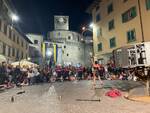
<point>61,21</point>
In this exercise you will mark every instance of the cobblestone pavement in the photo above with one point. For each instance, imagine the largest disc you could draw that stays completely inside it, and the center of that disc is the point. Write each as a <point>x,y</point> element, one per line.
<point>68,97</point>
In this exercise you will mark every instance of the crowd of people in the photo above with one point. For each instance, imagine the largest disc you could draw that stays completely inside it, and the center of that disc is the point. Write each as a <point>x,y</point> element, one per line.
<point>25,75</point>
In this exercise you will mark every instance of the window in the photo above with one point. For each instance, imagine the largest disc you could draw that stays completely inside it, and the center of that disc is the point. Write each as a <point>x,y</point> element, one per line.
<point>78,38</point>
<point>18,40</point>
<point>111,25</point>
<point>98,18</point>
<point>112,42</point>
<point>0,24</point>
<point>9,51</point>
<point>69,37</point>
<point>128,15</point>
<point>147,4</point>
<point>5,29</point>
<point>35,41</point>
<point>13,52</point>
<point>14,37</point>
<point>4,49</point>
<point>67,54</point>
<point>26,46</point>
<point>125,1</point>
<point>97,8</point>
<point>22,43</point>
<point>64,47</point>
<point>10,33</point>
<point>110,8</point>
<point>21,55</point>
<point>99,32</point>
<point>59,34</point>
<point>17,55</point>
<point>131,35</point>
<point>99,47</point>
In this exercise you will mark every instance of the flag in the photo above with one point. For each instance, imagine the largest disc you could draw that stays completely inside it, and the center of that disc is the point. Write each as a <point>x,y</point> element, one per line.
<point>43,49</point>
<point>55,52</point>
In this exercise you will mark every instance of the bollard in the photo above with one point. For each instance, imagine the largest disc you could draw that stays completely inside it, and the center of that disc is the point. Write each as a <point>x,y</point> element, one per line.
<point>12,99</point>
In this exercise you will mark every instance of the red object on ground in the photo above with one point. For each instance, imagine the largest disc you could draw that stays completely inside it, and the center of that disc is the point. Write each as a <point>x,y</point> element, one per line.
<point>113,93</point>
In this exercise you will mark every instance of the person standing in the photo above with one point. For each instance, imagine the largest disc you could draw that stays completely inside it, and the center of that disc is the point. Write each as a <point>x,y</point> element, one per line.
<point>95,71</point>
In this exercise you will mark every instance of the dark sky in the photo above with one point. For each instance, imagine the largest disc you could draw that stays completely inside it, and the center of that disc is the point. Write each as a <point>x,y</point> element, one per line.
<point>36,16</point>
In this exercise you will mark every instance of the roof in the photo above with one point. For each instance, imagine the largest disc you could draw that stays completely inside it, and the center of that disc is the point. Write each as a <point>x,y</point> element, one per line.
<point>94,4</point>
<point>23,35</point>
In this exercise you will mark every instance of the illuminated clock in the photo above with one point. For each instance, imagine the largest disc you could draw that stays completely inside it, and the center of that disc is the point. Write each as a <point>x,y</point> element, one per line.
<point>61,21</point>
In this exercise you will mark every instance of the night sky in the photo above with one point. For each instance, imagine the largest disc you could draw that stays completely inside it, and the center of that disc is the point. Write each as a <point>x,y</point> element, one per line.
<point>36,16</point>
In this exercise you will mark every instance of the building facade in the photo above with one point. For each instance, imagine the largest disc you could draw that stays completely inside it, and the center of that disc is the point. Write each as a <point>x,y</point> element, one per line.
<point>35,49</point>
<point>70,47</point>
<point>118,23</point>
<point>14,44</point>
<point>66,47</point>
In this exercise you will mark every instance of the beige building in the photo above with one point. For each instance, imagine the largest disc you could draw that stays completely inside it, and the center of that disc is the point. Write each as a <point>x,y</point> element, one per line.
<point>118,23</point>
<point>14,44</point>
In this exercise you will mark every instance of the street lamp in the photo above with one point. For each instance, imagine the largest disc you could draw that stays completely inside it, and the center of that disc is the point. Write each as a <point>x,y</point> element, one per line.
<point>91,25</point>
<point>28,58</point>
<point>14,18</point>
<point>86,29</point>
<point>89,28</point>
<point>49,53</point>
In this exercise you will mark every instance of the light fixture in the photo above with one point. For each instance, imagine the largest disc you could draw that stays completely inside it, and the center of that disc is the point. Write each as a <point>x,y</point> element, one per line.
<point>83,28</point>
<point>91,25</point>
<point>28,58</point>
<point>49,53</point>
<point>14,17</point>
<point>91,54</point>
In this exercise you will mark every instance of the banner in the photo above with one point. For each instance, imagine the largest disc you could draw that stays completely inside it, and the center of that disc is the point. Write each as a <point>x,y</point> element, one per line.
<point>59,56</point>
<point>55,52</point>
<point>43,50</point>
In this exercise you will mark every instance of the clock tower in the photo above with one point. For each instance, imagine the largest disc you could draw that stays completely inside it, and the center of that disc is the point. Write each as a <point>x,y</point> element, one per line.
<point>61,22</point>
